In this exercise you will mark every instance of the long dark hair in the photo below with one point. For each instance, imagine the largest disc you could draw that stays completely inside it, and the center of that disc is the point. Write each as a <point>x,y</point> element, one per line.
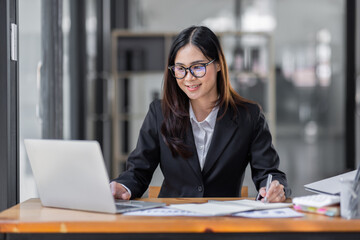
<point>175,103</point>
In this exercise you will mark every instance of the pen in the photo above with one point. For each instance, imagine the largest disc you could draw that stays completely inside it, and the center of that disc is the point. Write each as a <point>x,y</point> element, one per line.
<point>268,182</point>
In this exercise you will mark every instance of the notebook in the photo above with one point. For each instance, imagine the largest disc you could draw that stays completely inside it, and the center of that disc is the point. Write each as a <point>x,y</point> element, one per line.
<point>72,175</point>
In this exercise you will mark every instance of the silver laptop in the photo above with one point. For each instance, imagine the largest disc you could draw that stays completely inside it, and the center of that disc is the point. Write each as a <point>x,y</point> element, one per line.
<point>330,185</point>
<point>72,174</point>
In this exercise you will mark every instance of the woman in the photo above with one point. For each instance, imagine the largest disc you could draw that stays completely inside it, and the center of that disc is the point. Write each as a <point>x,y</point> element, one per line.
<point>202,133</point>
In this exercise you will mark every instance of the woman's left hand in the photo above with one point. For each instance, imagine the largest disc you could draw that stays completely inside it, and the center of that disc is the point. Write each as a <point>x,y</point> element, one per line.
<point>276,192</point>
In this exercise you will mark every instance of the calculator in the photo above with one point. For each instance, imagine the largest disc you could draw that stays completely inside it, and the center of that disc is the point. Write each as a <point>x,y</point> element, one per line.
<point>317,200</point>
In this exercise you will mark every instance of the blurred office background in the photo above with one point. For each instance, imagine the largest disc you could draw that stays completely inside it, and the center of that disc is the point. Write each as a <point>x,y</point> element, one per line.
<point>89,70</point>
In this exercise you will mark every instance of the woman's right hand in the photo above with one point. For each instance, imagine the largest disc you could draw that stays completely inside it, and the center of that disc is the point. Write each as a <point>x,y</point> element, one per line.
<point>118,191</point>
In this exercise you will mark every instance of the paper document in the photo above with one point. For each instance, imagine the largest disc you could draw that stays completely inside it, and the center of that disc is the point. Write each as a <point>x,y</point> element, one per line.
<point>212,209</point>
<point>270,213</point>
<point>255,205</point>
<point>165,211</point>
<point>217,208</point>
<point>330,185</point>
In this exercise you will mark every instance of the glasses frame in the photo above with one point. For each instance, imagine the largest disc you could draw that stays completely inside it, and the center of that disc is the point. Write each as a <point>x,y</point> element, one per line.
<point>188,69</point>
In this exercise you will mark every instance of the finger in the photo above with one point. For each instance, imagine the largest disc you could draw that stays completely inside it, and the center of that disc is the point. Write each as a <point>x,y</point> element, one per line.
<point>278,197</point>
<point>262,191</point>
<point>279,188</point>
<point>276,192</point>
<point>273,189</point>
<point>281,197</point>
<point>118,191</point>
<point>125,195</point>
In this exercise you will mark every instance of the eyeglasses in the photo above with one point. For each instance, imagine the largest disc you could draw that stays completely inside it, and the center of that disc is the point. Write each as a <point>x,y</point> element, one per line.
<point>198,70</point>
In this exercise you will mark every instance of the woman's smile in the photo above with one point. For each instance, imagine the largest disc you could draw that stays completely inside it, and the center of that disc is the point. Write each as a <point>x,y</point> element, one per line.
<point>193,87</point>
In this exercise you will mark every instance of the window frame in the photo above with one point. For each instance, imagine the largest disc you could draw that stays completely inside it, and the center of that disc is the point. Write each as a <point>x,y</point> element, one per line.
<point>9,108</point>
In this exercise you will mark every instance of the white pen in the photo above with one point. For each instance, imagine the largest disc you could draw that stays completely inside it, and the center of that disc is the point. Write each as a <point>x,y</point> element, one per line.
<point>268,182</point>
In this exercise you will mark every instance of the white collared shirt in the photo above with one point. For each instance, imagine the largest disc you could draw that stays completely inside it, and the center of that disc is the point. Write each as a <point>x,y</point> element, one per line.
<point>203,132</point>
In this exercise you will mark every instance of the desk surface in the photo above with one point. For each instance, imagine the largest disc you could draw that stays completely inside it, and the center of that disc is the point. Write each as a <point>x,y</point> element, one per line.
<point>31,217</point>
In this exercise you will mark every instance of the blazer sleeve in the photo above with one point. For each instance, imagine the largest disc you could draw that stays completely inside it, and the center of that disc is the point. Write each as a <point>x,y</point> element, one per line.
<point>144,159</point>
<point>264,159</point>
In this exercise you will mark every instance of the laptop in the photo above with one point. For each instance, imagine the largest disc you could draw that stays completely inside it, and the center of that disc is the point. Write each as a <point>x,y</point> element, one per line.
<point>330,185</point>
<point>71,174</point>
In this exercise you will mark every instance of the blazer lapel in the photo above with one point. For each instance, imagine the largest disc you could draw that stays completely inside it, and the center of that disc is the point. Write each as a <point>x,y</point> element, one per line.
<point>223,132</point>
<point>193,161</point>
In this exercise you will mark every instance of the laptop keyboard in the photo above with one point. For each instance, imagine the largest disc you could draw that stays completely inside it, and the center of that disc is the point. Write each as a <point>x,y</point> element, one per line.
<point>123,206</point>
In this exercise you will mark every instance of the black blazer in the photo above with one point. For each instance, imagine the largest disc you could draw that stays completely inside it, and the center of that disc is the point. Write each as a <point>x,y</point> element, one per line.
<point>235,143</point>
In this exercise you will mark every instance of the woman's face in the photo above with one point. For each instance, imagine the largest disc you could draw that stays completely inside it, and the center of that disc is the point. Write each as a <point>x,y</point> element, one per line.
<point>197,89</point>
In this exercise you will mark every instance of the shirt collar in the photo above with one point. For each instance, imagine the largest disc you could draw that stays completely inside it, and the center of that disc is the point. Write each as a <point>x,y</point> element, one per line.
<point>210,119</point>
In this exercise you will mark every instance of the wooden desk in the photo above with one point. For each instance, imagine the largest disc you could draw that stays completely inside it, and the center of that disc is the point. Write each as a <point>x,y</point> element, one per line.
<point>30,220</point>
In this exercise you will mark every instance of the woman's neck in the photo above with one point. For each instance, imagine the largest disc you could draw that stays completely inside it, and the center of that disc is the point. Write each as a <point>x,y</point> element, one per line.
<point>202,109</point>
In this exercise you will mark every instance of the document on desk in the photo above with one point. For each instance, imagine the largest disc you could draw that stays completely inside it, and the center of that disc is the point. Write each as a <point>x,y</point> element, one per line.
<point>211,209</point>
<point>330,185</point>
<point>255,205</point>
<point>270,213</point>
<point>165,211</point>
<point>218,208</point>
